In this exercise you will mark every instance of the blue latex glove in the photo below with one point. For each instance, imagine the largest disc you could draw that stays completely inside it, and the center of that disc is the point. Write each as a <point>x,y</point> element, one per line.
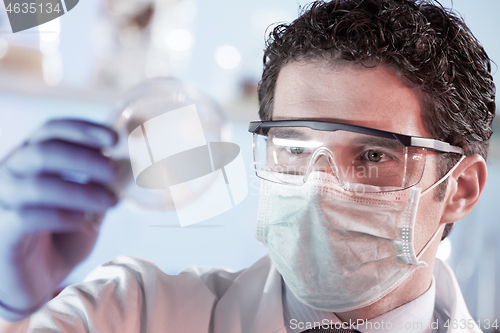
<point>49,224</point>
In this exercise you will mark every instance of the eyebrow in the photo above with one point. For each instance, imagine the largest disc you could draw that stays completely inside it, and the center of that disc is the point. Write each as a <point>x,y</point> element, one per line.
<point>379,142</point>
<point>289,133</point>
<point>293,133</point>
<point>296,143</point>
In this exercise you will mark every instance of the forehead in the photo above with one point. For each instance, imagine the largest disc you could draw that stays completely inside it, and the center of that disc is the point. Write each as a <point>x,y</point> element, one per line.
<point>371,97</point>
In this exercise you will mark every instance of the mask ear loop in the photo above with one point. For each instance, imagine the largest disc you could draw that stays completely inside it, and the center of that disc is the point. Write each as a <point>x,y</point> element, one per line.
<point>441,227</point>
<point>444,178</point>
<point>426,246</point>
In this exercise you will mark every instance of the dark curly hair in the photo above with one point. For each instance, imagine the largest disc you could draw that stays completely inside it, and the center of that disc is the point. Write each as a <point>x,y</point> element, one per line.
<point>429,46</point>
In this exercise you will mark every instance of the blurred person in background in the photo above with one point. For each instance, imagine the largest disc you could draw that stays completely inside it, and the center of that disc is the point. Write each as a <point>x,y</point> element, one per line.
<point>122,38</point>
<point>402,86</point>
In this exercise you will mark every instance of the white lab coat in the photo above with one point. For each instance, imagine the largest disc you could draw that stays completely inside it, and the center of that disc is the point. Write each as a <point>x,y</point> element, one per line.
<point>133,295</point>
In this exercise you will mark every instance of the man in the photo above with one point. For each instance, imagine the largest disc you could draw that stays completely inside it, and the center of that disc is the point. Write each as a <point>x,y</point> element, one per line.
<point>376,117</point>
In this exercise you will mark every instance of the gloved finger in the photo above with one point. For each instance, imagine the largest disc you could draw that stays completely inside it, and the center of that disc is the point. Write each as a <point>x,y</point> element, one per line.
<point>59,157</point>
<point>52,191</point>
<point>36,219</point>
<point>77,131</point>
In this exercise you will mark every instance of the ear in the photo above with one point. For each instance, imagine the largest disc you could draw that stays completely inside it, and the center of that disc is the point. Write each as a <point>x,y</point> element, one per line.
<point>465,186</point>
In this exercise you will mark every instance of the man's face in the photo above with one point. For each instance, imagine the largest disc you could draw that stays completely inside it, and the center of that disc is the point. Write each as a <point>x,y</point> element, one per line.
<point>374,98</point>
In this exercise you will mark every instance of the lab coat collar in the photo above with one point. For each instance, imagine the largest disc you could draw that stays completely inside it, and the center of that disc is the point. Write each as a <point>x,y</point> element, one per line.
<point>449,299</point>
<point>253,303</point>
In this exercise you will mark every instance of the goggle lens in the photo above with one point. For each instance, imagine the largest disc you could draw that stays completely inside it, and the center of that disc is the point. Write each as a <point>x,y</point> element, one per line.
<point>384,164</point>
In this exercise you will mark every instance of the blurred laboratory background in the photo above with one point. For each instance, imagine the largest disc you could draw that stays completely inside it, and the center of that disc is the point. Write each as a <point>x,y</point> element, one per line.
<point>80,64</point>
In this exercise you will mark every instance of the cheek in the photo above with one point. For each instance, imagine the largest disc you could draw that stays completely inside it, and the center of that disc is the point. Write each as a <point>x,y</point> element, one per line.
<point>429,211</point>
<point>429,214</point>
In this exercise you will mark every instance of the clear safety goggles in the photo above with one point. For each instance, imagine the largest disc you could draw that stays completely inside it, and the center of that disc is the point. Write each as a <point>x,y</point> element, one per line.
<point>356,155</point>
